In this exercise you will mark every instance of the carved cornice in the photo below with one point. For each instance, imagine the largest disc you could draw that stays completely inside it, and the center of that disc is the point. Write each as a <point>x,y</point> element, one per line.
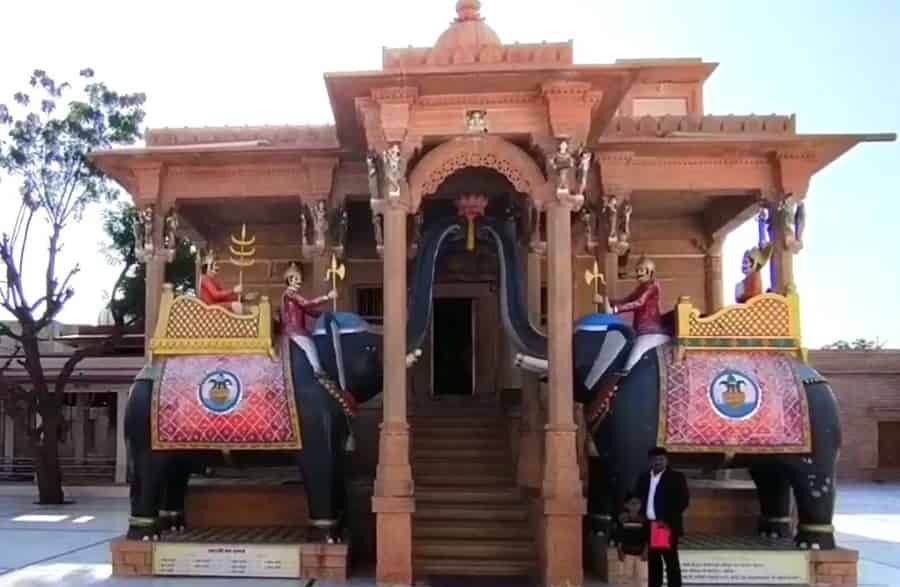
<point>148,180</point>
<point>566,90</point>
<point>312,137</point>
<point>660,126</point>
<point>492,99</point>
<point>397,94</point>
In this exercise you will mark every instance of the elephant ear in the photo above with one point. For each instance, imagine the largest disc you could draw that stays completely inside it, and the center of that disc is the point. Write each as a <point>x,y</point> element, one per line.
<point>333,333</point>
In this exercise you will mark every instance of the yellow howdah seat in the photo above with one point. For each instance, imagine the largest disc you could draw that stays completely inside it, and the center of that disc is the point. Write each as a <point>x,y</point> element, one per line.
<point>768,321</point>
<point>187,326</point>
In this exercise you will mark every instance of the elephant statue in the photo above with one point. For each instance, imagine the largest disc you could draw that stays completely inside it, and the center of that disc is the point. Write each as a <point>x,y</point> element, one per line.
<point>342,358</point>
<point>601,346</point>
<point>622,439</point>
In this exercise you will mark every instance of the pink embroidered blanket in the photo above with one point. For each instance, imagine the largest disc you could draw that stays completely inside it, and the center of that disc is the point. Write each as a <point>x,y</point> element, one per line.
<point>225,402</point>
<point>728,401</point>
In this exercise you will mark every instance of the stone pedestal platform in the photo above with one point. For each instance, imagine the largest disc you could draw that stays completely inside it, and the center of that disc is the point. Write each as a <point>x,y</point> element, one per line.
<point>232,552</point>
<point>740,560</point>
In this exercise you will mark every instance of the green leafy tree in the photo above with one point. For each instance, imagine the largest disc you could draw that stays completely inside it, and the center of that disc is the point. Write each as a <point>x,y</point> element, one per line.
<point>128,298</point>
<point>48,139</point>
<point>859,344</point>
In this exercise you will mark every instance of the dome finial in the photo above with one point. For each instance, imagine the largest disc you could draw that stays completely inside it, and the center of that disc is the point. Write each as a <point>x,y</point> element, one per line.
<point>468,10</point>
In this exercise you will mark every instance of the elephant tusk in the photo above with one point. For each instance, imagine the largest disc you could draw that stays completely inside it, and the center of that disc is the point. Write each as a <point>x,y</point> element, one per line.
<point>532,364</point>
<point>412,357</point>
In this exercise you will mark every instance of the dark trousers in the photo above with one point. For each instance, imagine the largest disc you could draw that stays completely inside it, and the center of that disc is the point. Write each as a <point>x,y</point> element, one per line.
<point>655,560</point>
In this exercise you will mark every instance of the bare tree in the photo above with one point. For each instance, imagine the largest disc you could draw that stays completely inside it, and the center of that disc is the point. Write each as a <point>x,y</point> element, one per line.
<point>46,149</point>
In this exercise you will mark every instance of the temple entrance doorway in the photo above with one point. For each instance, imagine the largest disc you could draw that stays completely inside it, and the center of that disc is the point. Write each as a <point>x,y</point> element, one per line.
<point>453,357</point>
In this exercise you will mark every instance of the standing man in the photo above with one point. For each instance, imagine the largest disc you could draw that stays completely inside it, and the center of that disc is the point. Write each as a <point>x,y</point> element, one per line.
<point>665,493</point>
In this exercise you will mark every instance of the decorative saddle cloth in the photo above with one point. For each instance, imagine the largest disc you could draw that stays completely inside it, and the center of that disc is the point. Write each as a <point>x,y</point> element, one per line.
<point>243,402</point>
<point>729,401</point>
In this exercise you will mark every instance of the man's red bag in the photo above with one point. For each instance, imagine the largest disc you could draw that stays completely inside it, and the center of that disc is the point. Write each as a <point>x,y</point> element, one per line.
<point>660,536</point>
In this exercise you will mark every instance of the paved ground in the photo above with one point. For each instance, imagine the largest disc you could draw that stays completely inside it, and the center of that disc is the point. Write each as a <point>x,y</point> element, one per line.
<point>42,546</point>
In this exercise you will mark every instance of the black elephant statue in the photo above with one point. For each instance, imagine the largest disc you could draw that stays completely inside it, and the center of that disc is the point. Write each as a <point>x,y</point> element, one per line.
<point>340,364</point>
<point>630,428</point>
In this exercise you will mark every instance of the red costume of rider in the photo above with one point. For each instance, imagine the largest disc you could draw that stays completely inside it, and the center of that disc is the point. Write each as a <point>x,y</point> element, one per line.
<point>644,302</point>
<point>212,293</point>
<point>295,309</point>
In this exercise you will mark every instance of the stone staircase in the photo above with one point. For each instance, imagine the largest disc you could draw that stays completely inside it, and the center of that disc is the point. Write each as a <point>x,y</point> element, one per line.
<point>471,518</point>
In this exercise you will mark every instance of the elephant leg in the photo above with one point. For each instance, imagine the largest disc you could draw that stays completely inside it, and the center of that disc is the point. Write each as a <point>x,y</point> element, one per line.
<point>172,513</point>
<point>317,467</point>
<point>774,492</point>
<point>814,491</point>
<point>146,492</point>
<point>600,499</point>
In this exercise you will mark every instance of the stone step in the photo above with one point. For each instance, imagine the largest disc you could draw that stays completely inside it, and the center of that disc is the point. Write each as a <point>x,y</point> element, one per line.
<point>462,470</point>
<point>471,549</point>
<point>460,442</point>
<point>461,454</point>
<point>464,494</point>
<point>443,478</point>
<point>467,567</point>
<point>489,512</point>
<point>469,529</point>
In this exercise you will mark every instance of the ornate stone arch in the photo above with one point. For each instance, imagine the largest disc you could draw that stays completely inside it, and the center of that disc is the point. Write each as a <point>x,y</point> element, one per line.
<point>491,152</point>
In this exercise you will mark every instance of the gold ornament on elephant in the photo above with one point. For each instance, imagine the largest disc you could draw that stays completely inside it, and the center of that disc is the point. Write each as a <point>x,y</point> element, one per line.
<point>242,256</point>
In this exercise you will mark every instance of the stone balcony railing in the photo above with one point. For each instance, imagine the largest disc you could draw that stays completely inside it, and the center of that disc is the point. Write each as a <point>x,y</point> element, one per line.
<point>661,126</point>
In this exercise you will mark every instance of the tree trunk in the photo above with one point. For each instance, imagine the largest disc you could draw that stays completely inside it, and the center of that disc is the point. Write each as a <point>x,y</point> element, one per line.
<point>49,474</point>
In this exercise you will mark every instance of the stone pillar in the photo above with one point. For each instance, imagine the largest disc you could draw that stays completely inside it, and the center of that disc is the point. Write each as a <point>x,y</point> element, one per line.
<point>121,451</point>
<point>563,501</point>
<point>611,273</point>
<point>530,447</point>
<point>393,502</point>
<point>713,274</point>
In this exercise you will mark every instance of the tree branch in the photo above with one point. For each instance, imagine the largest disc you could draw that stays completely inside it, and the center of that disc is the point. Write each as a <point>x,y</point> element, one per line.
<point>8,332</point>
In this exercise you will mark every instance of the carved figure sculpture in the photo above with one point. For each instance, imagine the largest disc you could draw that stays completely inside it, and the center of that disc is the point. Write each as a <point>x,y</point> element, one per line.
<point>340,231</point>
<point>618,224</point>
<point>394,170</point>
<point>561,164</point>
<point>170,235</point>
<point>295,309</point>
<point>476,122</point>
<point>751,266</point>
<point>211,291</point>
<point>372,173</point>
<point>143,234</point>
<point>304,234</point>
<point>320,224</point>
<point>583,173</point>
<point>587,219</point>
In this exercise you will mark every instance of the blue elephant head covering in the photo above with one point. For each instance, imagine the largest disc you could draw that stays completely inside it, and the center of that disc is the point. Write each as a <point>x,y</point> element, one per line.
<point>347,322</point>
<point>599,322</point>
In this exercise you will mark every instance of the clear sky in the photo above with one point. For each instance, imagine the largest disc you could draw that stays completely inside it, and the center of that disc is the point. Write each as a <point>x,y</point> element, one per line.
<point>834,64</point>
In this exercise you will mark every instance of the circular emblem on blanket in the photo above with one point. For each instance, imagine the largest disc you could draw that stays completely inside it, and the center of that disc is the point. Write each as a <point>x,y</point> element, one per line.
<point>734,396</point>
<point>220,391</point>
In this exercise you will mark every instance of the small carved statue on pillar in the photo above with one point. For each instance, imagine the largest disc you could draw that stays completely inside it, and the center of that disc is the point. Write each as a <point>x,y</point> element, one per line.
<point>618,225</point>
<point>794,219</point>
<point>143,234</point>
<point>561,164</point>
<point>378,228</point>
<point>373,175</point>
<point>341,223</point>
<point>588,220</point>
<point>320,224</point>
<point>394,170</point>
<point>583,173</point>
<point>304,235</point>
<point>170,236</point>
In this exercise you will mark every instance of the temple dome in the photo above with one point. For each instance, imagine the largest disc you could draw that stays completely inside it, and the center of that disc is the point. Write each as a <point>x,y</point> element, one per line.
<point>468,30</point>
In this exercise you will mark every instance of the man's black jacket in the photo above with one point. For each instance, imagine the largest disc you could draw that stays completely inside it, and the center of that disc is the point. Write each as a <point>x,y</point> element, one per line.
<point>670,500</point>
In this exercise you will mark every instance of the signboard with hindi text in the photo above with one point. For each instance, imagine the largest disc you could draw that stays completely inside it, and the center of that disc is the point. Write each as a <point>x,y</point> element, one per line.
<point>227,560</point>
<point>744,567</point>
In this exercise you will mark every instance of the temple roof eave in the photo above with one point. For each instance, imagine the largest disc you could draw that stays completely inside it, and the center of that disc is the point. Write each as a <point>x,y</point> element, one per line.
<point>825,147</point>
